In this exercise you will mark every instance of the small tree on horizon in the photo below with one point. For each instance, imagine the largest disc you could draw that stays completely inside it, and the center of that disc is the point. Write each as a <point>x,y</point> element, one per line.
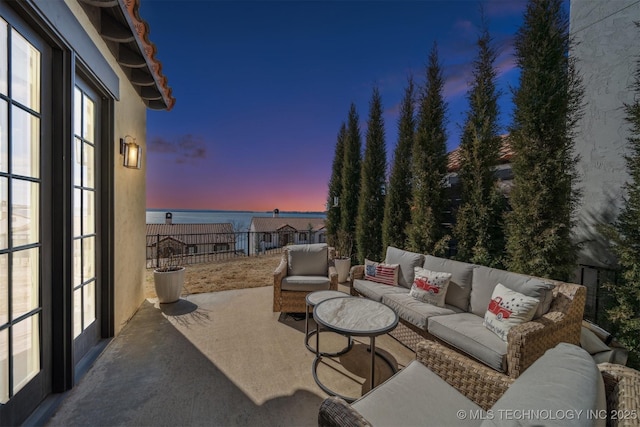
<point>335,188</point>
<point>624,312</point>
<point>397,209</point>
<point>372,185</point>
<point>351,176</point>
<point>479,226</point>
<point>547,105</point>
<point>426,232</point>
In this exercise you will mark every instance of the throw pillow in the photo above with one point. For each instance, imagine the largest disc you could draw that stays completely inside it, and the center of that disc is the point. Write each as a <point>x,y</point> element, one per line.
<point>507,309</point>
<point>381,273</point>
<point>430,286</point>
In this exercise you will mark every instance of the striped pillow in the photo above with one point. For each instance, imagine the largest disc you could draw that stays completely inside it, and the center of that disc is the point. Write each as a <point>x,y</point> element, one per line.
<point>381,273</point>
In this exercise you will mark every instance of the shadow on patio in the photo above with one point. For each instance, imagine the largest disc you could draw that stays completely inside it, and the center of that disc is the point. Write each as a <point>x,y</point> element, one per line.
<point>215,359</point>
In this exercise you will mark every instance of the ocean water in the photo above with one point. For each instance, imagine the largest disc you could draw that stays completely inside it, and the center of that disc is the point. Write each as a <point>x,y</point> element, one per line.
<point>239,219</point>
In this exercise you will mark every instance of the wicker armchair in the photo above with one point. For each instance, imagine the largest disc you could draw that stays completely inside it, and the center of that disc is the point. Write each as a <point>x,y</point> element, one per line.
<point>302,269</point>
<point>484,387</point>
<point>525,342</point>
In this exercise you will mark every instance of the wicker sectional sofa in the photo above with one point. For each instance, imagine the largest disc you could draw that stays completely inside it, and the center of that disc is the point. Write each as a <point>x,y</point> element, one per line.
<point>441,387</point>
<point>459,324</point>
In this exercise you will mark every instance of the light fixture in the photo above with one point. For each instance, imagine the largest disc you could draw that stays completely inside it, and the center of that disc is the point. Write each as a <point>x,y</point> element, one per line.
<point>132,152</point>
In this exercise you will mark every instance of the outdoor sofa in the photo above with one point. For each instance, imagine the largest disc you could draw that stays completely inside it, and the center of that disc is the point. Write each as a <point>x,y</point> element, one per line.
<point>460,322</point>
<point>441,387</point>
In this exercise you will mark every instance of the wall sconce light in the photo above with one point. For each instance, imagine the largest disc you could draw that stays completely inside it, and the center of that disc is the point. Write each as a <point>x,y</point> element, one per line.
<point>132,152</point>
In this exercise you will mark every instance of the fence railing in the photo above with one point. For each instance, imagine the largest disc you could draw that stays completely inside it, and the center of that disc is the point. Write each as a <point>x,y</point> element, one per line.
<point>199,248</point>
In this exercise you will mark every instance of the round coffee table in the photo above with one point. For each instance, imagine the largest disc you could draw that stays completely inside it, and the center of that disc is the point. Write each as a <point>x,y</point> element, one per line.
<point>312,299</point>
<point>354,316</point>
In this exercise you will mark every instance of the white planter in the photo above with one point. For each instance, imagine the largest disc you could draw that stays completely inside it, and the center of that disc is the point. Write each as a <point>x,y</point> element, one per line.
<point>168,285</point>
<point>343,265</point>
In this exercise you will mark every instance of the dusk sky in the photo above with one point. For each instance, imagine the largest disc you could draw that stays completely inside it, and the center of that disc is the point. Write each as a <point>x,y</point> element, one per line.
<point>262,88</point>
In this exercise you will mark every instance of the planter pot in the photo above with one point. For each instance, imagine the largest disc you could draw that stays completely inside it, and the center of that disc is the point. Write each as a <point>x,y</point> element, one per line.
<point>168,285</point>
<point>343,265</point>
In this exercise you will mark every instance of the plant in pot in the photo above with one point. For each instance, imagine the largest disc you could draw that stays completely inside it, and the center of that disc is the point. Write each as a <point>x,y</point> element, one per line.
<point>344,245</point>
<point>168,279</point>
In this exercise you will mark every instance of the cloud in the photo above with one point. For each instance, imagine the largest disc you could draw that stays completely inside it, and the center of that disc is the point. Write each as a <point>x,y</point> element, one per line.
<point>186,148</point>
<point>501,8</point>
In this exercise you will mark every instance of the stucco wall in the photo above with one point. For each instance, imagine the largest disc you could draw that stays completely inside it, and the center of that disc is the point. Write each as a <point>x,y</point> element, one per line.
<point>129,189</point>
<point>608,45</point>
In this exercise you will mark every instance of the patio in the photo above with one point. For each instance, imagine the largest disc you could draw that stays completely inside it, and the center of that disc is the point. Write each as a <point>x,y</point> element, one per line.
<point>219,358</point>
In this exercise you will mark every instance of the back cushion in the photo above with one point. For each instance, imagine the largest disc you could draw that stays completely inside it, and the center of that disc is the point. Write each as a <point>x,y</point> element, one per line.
<point>460,285</point>
<point>485,280</point>
<point>308,260</point>
<point>406,261</point>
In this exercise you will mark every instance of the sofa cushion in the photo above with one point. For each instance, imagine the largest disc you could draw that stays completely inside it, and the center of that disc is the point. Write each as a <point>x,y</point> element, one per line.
<point>386,274</point>
<point>485,280</point>
<point>507,309</point>
<point>308,260</point>
<point>406,260</point>
<point>416,396</point>
<point>430,286</point>
<point>466,332</point>
<point>460,284</point>
<point>305,283</point>
<point>565,380</point>
<point>416,312</point>
<point>376,291</point>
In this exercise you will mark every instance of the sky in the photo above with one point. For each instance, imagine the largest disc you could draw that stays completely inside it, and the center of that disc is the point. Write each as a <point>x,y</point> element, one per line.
<point>262,88</point>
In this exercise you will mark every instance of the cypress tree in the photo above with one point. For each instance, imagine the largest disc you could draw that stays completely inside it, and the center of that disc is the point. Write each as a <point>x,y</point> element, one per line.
<point>397,209</point>
<point>547,104</point>
<point>371,203</point>
<point>624,314</point>
<point>351,175</point>
<point>335,188</point>
<point>478,229</point>
<point>429,166</point>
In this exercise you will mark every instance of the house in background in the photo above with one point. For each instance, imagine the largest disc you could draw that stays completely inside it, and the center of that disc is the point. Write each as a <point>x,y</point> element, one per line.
<point>275,232</point>
<point>76,79</point>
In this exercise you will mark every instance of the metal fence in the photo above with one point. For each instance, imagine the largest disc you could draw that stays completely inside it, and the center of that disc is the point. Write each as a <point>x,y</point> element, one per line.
<point>163,249</point>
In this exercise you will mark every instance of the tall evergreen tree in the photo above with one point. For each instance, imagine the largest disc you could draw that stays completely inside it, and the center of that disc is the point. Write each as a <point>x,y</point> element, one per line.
<point>335,188</point>
<point>351,175</point>
<point>397,209</point>
<point>372,182</point>
<point>429,166</point>
<point>547,104</point>
<point>624,234</point>
<point>479,229</point>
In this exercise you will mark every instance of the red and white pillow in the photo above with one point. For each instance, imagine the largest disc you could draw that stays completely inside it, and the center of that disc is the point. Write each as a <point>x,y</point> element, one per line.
<point>382,273</point>
<point>507,309</point>
<point>430,286</point>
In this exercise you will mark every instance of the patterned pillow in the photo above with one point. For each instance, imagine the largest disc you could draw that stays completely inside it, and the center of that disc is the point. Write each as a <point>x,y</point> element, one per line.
<point>430,286</point>
<point>381,273</point>
<point>507,309</point>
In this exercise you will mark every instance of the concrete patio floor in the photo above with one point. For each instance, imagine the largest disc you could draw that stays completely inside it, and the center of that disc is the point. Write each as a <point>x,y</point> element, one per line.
<point>217,359</point>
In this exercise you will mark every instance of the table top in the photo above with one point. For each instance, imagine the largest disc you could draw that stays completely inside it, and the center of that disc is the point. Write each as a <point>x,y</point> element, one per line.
<point>316,297</point>
<point>355,316</point>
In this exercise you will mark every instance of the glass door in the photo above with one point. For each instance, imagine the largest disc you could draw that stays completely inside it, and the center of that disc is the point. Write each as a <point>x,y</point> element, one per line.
<point>85,256</point>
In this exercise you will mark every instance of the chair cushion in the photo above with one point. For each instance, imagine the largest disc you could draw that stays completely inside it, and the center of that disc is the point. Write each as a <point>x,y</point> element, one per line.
<point>308,260</point>
<point>485,280</point>
<point>376,291</point>
<point>466,332</point>
<point>460,284</point>
<point>430,286</point>
<point>565,380</point>
<point>406,260</point>
<point>507,309</point>
<point>416,396</point>
<point>305,283</point>
<point>415,312</point>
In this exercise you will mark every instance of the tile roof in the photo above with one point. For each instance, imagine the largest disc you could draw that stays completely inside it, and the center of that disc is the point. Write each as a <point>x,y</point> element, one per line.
<point>276,223</point>
<point>505,155</point>
<point>127,36</point>
<point>192,233</point>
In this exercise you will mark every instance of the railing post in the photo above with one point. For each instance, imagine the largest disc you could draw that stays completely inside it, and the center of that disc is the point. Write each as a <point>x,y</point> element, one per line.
<point>248,243</point>
<point>158,250</point>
